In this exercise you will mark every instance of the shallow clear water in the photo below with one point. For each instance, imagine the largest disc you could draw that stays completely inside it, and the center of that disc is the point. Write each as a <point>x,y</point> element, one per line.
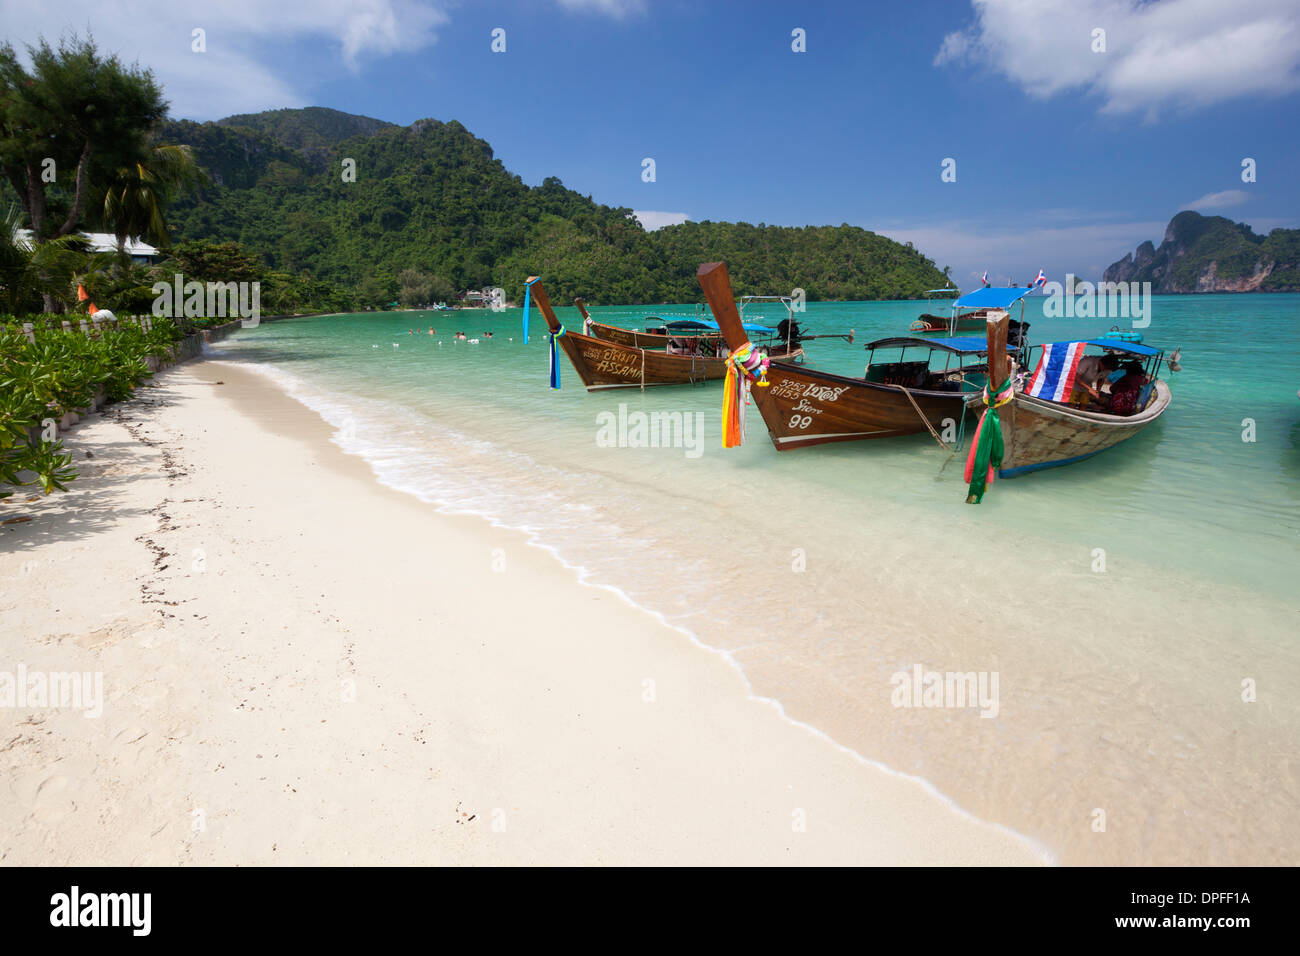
<point>825,572</point>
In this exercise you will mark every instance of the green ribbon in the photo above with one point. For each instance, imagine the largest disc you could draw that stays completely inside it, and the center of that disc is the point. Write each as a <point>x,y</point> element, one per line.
<point>988,449</point>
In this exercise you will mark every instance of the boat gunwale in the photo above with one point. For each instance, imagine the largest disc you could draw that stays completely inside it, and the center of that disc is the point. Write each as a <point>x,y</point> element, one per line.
<point>928,393</point>
<point>1164,398</point>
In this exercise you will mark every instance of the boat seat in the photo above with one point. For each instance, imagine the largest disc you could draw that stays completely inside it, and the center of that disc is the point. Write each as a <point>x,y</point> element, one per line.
<point>906,374</point>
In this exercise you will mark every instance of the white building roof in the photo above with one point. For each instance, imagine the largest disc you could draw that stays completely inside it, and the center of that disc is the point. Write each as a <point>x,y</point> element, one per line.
<point>106,242</point>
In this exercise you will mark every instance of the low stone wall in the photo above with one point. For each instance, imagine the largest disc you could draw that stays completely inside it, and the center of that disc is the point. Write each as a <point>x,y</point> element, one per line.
<point>187,348</point>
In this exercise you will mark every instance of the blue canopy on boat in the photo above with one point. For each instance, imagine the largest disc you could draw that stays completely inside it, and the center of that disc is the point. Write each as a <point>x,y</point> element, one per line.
<point>1115,345</point>
<point>959,345</point>
<point>992,297</point>
<point>710,325</point>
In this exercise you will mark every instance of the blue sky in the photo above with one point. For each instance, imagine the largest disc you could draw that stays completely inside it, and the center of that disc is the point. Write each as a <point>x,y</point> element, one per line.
<point>1066,156</point>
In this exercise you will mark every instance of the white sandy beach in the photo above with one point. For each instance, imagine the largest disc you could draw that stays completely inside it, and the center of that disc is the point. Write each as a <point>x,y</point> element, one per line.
<point>302,666</point>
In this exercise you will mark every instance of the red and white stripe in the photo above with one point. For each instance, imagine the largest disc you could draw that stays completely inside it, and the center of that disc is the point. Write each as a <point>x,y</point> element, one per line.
<point>1065,383</point>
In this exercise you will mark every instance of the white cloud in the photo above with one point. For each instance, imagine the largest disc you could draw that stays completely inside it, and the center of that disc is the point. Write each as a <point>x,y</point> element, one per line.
<point>1229,197</point>
<point>618,9</point>
<point>1017,254</point>
<point>1160,54</point>
<point>651,220</point>
<point>235,74</point>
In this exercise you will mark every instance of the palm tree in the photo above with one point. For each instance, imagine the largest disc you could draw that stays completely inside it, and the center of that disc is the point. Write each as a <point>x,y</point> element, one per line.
<point>135,202</point>
<point>30,270</point>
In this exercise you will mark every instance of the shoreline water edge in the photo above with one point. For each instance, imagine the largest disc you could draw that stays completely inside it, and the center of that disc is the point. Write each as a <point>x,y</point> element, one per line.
<point>310,667</point>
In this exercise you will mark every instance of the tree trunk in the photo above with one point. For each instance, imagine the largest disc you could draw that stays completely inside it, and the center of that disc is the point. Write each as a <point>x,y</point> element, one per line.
<point>35,202</point>
<point>79,200</point>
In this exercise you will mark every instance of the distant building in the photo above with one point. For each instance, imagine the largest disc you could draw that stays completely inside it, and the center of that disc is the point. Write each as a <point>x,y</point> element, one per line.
<point>141,253</point>
<point>476,297</point>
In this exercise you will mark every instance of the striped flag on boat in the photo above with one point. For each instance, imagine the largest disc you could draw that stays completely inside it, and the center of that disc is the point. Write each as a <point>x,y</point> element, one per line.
<point>1041,280</point>
<point>1054,378</point>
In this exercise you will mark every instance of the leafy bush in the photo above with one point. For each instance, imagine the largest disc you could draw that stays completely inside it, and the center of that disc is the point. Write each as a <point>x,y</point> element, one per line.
<point>61,372</point>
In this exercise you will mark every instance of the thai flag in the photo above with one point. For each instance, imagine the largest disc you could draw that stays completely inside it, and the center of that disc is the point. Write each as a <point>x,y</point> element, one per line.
<point>1054,378</point>
<point>1041,280</point>
<point>985,278</point>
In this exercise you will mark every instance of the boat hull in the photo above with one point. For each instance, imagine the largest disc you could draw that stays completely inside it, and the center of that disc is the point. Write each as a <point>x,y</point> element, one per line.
<point>803,407</point>
<point>968,322</point>
<point>644,340</point>
<point>1038,434</point>
<point>603,364</point>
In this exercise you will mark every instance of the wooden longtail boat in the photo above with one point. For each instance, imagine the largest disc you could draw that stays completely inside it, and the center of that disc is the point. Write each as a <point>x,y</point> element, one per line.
<point>700,332</point>
<point>622,336</point>
<point>602,364</point>
<point>970,312</point>
<point>803,406</point>
<point>1042,430</point>
<point>935,321</point>
<point>966,322</point>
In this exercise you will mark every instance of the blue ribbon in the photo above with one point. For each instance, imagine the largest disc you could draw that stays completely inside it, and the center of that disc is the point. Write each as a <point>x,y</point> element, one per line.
<point>555,360</point>
<point>528,295</point>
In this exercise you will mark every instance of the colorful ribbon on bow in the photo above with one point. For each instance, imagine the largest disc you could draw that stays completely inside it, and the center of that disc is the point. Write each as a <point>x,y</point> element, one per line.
<point>986,450</point>
<point>741,370</point>
<point>528,294</point>
<point>555,359</point>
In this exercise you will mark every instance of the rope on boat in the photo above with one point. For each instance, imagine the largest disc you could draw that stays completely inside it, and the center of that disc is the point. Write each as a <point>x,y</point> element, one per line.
<point>741,366</point>
<point>986,450</point>
<point>961,435</point>
<point>551,338</point>
<point>924,419</point>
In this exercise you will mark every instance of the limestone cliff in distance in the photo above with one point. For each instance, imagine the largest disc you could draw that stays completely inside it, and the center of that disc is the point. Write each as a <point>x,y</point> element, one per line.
<point>1214,254</point>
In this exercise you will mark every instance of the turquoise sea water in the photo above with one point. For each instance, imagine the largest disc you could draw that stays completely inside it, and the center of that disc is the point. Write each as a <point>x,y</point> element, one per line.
<point>1127,603</point>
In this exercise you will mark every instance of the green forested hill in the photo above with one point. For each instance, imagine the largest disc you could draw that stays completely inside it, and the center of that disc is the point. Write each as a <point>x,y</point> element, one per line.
<point>431,197</point>
<point>1214,254</point>
<point>313,131</point>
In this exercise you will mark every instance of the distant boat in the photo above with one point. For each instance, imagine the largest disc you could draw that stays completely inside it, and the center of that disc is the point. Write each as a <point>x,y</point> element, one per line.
<point>603,364</point>
<point>936,318</point>
<point>443,307</point>
<point>968,312</point>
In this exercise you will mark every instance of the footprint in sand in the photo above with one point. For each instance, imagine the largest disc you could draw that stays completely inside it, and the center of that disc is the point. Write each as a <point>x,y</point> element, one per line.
<point>52,801</point>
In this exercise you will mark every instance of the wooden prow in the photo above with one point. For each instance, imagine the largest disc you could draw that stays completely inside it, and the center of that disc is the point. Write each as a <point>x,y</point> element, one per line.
<point>544,303</point>
<point>581,308</point>
<point>717,289</point>
<point>997,320</point>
